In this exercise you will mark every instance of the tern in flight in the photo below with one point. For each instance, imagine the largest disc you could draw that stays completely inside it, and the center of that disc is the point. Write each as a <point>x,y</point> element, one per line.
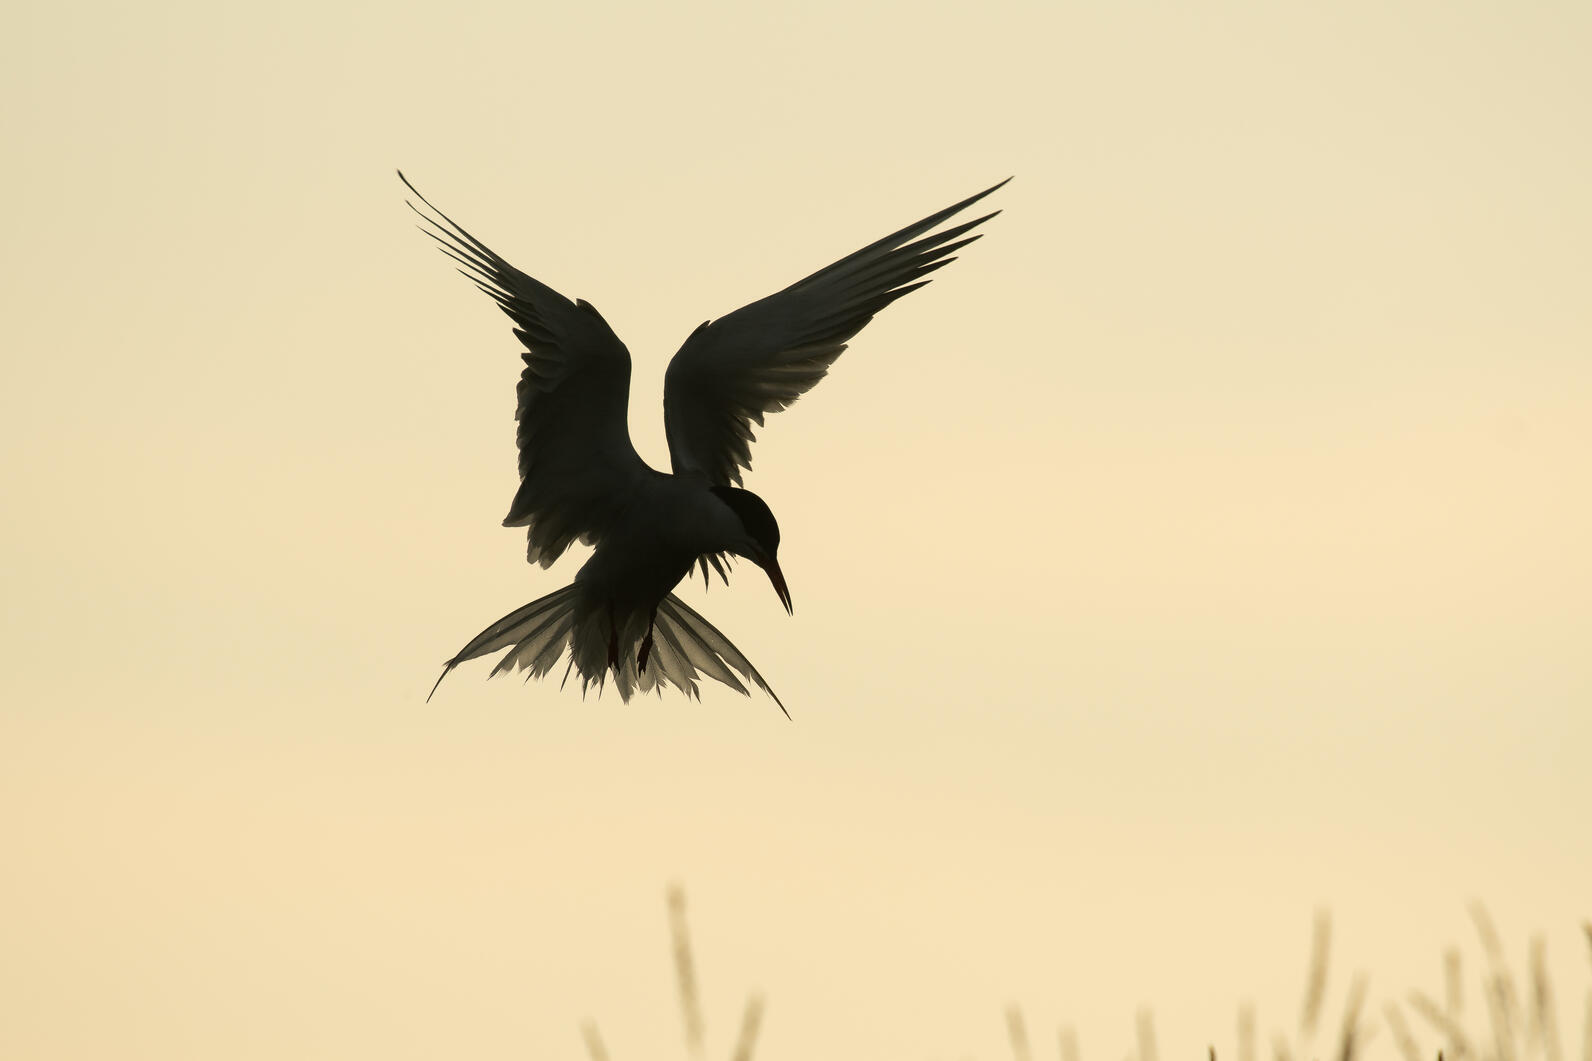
<point>580,478</point>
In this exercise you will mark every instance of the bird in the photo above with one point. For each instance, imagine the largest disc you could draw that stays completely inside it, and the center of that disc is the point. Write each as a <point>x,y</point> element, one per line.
<point>582,480</point>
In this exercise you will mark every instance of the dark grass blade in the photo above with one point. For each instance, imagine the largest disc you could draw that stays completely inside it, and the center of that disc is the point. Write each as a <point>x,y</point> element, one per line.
<point>685,972</point>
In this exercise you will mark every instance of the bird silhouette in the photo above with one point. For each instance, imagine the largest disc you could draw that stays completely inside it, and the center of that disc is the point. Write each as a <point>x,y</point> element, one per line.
<point>582,480</point>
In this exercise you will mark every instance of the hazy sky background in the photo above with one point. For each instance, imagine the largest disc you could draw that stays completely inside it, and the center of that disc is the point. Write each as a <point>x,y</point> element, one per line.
<point>1207,545</point>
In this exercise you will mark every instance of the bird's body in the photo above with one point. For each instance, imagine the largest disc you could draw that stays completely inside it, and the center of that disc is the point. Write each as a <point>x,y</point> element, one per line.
<point>665,524</point>
<point>582,480</point>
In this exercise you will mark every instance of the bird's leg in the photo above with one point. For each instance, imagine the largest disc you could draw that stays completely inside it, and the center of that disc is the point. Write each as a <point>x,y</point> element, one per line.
<point>613,639</point>
<point>646,643</point>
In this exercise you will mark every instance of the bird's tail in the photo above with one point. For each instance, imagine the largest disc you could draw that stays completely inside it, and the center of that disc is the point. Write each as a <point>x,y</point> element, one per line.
<point>685,646</point>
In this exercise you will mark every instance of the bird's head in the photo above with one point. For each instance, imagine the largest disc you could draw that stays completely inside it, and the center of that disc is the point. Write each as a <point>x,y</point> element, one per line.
<point>759,541</point>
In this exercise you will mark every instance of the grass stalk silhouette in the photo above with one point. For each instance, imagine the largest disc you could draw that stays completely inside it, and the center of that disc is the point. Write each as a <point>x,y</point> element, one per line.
<point>690,997</point>
<point>1521,1022</point>
<point>685,972</point>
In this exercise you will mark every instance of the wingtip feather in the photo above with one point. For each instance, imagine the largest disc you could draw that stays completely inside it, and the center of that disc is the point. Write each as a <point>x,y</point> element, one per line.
<point>447,668</point>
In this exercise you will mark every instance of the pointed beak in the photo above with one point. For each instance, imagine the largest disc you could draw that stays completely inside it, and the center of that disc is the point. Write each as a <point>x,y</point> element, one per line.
<point>777,577</point>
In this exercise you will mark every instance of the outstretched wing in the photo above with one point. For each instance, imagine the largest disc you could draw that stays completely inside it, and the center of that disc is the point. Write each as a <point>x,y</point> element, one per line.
<point>577,465</point>
<point>761,358</point>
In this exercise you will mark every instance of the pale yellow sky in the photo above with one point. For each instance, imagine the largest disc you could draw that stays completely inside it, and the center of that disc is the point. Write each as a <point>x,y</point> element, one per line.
<point>1208,545</point>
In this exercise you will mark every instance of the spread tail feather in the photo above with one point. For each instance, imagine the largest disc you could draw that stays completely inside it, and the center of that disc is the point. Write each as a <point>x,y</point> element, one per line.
<point>685,646</point>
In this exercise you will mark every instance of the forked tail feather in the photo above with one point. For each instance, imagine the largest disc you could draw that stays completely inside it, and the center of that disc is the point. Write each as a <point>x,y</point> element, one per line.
<point>685,646</point>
